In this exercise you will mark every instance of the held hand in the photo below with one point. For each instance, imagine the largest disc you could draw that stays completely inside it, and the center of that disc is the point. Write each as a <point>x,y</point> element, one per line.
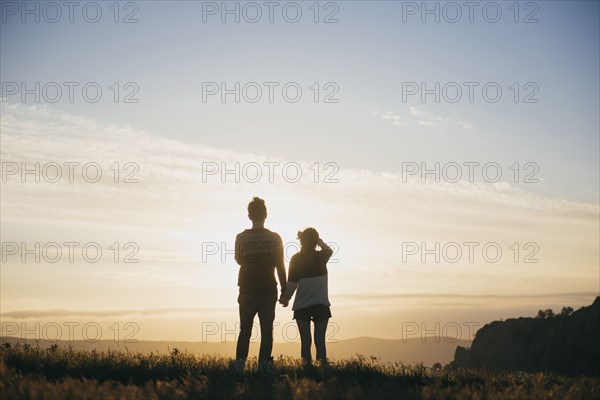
<point>283,303</point>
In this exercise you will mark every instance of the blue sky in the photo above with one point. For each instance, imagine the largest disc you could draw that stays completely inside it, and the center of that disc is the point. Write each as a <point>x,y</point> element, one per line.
<point>369,53</point>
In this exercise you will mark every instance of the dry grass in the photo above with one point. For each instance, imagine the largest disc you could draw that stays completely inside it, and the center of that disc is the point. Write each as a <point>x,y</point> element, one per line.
<point>28,372</point>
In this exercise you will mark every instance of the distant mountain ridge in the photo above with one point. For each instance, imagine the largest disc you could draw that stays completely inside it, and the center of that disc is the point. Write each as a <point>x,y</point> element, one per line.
<point>567,344</point>
<point>409,351</point>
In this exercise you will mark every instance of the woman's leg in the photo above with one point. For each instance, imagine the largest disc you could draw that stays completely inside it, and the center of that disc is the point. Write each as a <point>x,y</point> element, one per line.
<point>320,331</point>
<point>305,338</point>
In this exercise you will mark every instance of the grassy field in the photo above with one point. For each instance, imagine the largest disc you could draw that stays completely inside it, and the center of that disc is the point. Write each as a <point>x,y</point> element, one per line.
<point>29,372</point>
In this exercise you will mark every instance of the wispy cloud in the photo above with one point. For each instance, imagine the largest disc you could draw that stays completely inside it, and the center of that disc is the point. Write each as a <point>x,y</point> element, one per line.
<point>26,314</point>
<point>379,296</point>
<point>171,212</point>
<point>414,116</point>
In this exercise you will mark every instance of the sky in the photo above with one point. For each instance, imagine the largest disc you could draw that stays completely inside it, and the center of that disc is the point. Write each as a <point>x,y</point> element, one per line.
<point>518,230</point>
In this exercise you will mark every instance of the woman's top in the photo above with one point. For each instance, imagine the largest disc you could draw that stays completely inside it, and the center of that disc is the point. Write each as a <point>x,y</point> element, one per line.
<point>308,274</point>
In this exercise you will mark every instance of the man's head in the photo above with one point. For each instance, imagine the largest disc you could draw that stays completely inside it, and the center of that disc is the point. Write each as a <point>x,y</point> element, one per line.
<point>257,211</point>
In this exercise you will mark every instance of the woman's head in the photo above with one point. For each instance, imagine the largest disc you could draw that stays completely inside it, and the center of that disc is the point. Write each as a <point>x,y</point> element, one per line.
<point>308,238</point>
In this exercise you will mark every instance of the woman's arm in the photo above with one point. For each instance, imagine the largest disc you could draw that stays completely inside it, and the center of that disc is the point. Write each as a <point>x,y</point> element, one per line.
<point>292,283</point>
<point>325,250</point>
<point>289,292</point>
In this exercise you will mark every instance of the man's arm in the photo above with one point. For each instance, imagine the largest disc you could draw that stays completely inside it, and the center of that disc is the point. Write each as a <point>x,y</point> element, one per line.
<point>238,258</point>
<point>280,265</point>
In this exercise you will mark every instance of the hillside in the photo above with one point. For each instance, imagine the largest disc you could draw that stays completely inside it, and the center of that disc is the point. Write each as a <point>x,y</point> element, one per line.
<point>567,344</point>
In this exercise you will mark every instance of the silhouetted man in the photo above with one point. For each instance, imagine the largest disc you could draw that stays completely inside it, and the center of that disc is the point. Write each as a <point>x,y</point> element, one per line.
<point>259,252</point>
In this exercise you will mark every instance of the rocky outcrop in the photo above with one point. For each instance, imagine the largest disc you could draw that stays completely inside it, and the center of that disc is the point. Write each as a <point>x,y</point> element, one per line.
<point>565,344</point>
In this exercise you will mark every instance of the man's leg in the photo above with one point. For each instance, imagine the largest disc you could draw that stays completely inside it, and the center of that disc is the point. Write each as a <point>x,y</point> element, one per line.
<point>320,331</point>
<point>305,339</point>
<point>248,308</point>
<point>266,315</point>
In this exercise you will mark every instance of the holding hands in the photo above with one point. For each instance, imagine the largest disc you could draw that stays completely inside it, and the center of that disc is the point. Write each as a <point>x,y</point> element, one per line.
<point>284,302</point>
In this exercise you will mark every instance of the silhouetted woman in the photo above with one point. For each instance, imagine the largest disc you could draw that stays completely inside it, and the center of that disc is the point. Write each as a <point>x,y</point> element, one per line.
<point>308,274</point>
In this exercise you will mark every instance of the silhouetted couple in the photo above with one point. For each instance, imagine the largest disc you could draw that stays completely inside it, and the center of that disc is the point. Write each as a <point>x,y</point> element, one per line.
<point>259,252</point>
